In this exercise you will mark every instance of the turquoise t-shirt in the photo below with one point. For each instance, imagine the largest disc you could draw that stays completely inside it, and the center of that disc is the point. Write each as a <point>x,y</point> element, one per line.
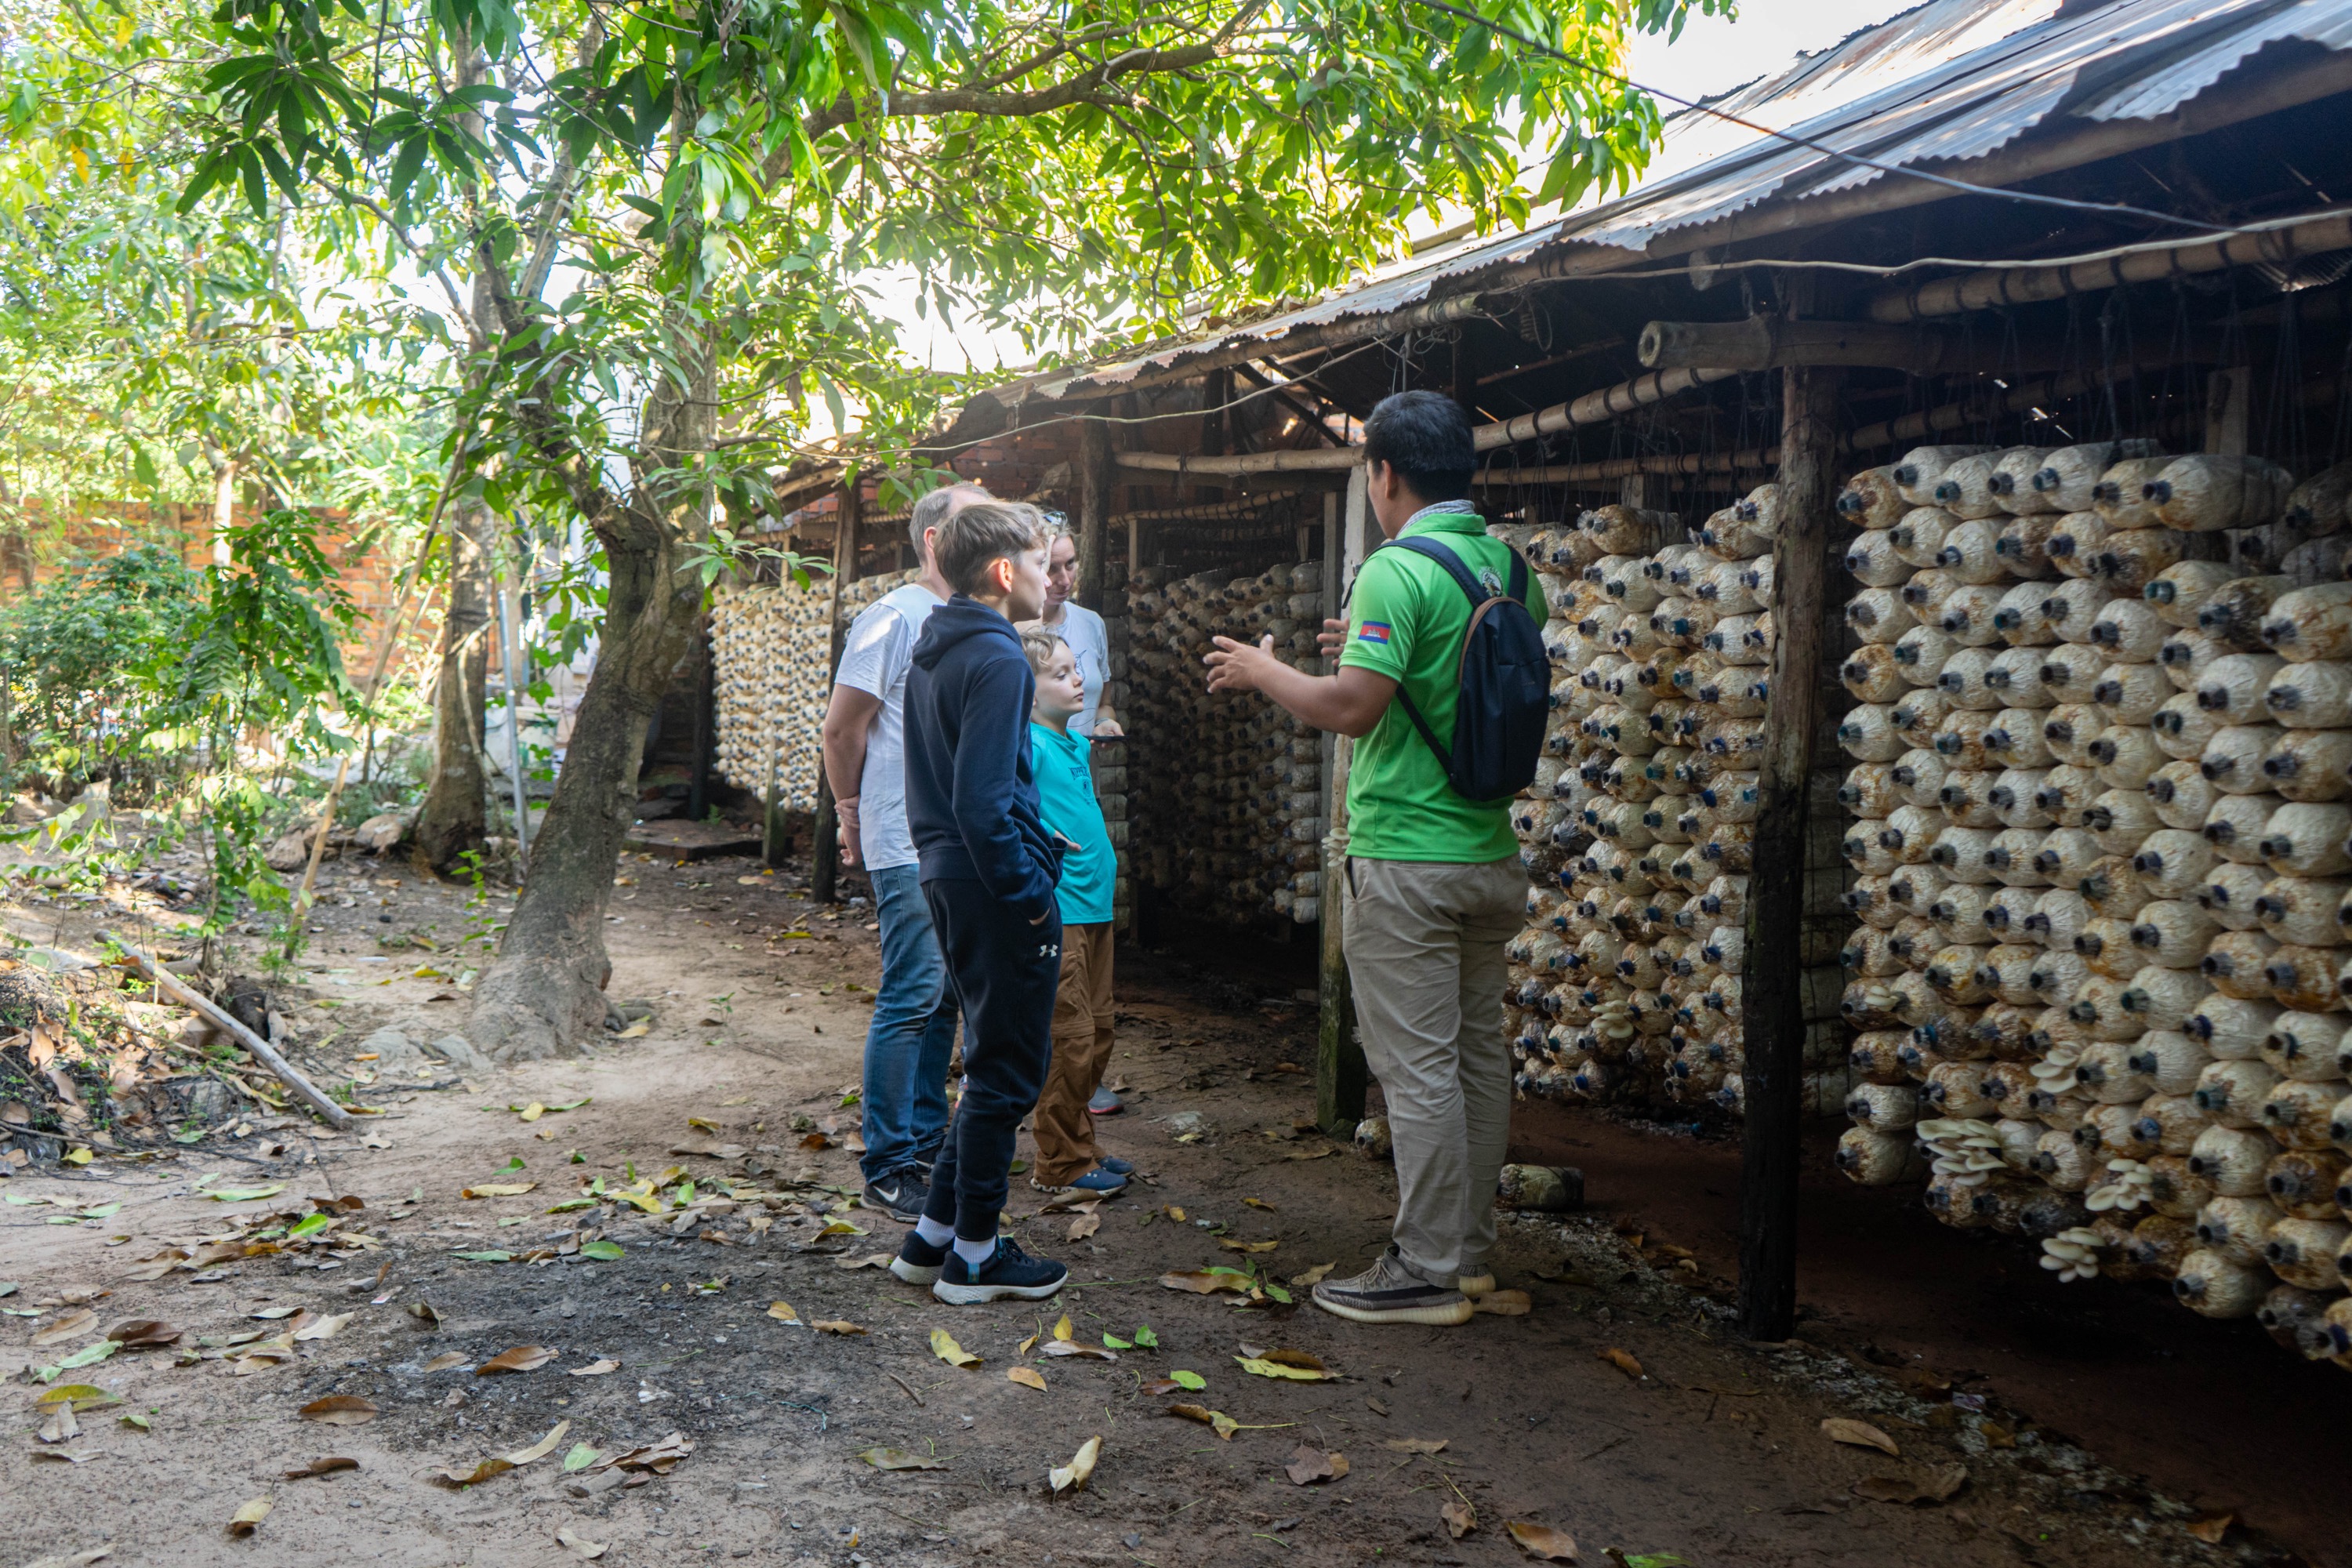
<point>1066,801</point>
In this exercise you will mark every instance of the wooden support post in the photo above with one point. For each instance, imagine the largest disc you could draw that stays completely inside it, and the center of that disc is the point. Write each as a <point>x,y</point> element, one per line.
<point>1098,492</point>
<point>1773,1027</point>
<point>705,717</point>
<point>824,852</point>
<point>1339,1072</point>
<point>2228,398</point>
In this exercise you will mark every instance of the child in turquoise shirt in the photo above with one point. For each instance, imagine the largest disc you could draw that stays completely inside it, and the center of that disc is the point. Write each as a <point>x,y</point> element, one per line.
<point>1067,1155</point>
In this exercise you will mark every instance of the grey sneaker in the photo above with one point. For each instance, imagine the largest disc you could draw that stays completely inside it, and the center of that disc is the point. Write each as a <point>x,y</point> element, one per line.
<point>1389,1292</point>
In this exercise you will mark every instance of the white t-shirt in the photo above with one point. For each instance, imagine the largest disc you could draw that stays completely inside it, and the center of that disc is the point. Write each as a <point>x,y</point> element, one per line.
<point>875,658</point>
<point>1089,642</point>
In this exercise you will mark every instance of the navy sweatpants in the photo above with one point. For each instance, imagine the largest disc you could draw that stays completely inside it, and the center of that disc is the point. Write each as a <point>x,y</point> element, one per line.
<point>1004,972</point>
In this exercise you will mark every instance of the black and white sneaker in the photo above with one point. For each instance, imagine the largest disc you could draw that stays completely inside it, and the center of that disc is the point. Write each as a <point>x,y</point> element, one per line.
<point>901,1194</point>
<point>918,1261</point>
<point>1009,1272</point>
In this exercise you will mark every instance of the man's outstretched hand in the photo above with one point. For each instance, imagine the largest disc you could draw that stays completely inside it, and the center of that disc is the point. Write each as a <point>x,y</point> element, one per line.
<point>1240,666</point>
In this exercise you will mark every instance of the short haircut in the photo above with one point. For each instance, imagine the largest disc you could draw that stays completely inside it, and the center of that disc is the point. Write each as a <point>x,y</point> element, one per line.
<point>983,532</point>
<point>1425,437</point>
<point>932,509</point>
<point>1039,647</point>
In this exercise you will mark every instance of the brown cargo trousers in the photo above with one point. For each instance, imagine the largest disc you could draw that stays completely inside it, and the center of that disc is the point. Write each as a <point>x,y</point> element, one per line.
<point>1082,1041</point>
<point>1424,946</point>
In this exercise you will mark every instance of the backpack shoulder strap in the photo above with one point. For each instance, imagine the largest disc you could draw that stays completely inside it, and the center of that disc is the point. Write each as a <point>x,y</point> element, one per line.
<point>1444,556</point>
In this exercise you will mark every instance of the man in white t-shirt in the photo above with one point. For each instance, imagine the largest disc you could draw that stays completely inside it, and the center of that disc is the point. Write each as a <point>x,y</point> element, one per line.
<point>912,1036</point>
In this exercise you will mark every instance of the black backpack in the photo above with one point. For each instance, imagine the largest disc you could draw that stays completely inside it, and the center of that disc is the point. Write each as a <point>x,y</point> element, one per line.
<point>1504,701</point>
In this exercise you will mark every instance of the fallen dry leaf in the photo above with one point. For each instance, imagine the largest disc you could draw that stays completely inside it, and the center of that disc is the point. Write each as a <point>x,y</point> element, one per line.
<point>2210,1528</point>
<point>325,1328</point>
<point>497,1190</point>
<point>522,1358</point>
<point>327,1466</point>
<point>1460,1517</point>
<point>1264,1368</point>
<point>444,1360</point>
<point>595,1368</point>
<point>1503,1303</point>
<point>540,1449</point>
<point>73,1325</point>
<point>1229,1244</point>
<point>1309,1464</point>
<point>836,1326</point>
<point>1314,1276</point>
<point>1996,1435</point>
<point>487,1469</point>
<point>248,1519</point>
<point>1223,1426</point>
<point>1860,1434</point>
<point>1259,1204</point>
<point>1063,1330</point>
<point>1081,1466</point>
<point>1624,1362</point>
<point>340,1410</point>
<point>426,1313</point>
<point>1085,1226</point>
<point>783,1313</point>
<point>1416,1444</point>
<point>943,1345</point>
<point>1027,1377</point>
<point>1543,1540</point>
<point>61,1457</point>
<point>659,1458</point>
<point>1207,1282</point>
<point>580,1545</point>
<point>60,1426</point>
<point>143,1334</point>
<point>900,1460</point>
<point>1068,1347</point>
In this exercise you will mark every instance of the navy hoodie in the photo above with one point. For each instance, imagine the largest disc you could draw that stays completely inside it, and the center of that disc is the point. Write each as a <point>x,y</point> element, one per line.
<point>971,800</point>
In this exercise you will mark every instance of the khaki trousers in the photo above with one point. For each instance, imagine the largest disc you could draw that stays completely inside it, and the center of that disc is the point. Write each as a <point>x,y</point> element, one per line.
<point>1082,1039</point>
<point>1424,946</point>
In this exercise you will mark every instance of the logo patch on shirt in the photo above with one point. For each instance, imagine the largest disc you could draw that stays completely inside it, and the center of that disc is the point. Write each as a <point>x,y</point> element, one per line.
<point>1373,631</point>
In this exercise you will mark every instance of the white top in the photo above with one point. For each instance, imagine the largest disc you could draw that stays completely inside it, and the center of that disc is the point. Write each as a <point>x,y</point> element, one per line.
<point>875,658</point>
<point>1089,642</point>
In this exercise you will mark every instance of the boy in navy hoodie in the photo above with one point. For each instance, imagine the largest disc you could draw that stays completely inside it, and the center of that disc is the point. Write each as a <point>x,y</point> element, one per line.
<point>988,867</point>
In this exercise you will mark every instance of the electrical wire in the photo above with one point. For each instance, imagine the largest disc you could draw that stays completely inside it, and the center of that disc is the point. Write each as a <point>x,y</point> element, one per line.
<point>2029,198</point>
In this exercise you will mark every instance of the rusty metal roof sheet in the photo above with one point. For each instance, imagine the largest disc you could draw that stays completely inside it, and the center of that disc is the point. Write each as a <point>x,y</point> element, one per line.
<point>1949,81</point>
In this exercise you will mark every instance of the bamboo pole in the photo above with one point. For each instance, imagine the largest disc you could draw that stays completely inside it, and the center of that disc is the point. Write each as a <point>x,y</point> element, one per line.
<point>1341,1075</point>
<point>261,1050</point>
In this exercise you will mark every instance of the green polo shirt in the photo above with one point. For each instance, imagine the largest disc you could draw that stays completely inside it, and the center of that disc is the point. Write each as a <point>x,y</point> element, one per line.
<point>1406,620</point>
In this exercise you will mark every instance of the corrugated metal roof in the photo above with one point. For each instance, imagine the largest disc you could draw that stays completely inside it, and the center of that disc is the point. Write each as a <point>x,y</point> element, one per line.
<point>1951,80</point>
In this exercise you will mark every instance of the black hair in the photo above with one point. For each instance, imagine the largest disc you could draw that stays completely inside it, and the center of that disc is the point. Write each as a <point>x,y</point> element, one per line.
<point>1425,437</point>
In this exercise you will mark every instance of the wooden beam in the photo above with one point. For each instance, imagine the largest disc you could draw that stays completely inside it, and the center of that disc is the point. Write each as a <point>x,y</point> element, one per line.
<point>1098,490</point>
<point>1772,1028</point>
<point>824,852</point>
<point>1769,343</point>
<point>1341,1075</point>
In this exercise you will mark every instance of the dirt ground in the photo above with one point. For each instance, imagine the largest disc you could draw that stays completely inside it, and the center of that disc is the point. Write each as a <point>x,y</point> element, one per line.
<point>1620,1409</point>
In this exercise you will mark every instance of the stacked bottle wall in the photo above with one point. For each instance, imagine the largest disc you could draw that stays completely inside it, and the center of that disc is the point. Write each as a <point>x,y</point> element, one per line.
<point>2101,802</point>
<point>1626,984</point>
<point>772,647</point>
<point>1228,787</point>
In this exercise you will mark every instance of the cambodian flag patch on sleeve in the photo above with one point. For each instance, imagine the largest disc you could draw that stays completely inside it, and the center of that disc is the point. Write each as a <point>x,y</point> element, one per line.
<point>1373,631</point>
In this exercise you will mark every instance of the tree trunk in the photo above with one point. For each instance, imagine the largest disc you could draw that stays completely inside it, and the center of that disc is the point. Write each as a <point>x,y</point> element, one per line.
<point>456,818</point>
<point>543,995</point>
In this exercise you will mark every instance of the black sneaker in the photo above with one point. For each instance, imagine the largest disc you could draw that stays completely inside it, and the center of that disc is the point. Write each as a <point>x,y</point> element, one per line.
<point>901,1194</point>
<point>918,1261</point>
<point>1009,1272</point>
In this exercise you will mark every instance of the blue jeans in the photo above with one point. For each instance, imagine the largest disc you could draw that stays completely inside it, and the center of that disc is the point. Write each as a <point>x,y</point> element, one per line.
<point>913,1034</point>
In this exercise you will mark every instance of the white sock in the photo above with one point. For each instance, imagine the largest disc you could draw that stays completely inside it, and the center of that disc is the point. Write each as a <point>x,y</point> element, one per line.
<point>975,1253</point>
<point>933,1233</point>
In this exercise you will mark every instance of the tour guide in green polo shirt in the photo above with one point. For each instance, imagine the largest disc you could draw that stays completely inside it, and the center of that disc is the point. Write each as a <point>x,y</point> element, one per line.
<point>1434,879</point>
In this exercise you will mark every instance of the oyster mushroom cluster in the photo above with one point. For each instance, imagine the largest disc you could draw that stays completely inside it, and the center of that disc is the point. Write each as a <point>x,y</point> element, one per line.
<point>1230,784</point>
<point>772,647</point>
<point>2099,812</point>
